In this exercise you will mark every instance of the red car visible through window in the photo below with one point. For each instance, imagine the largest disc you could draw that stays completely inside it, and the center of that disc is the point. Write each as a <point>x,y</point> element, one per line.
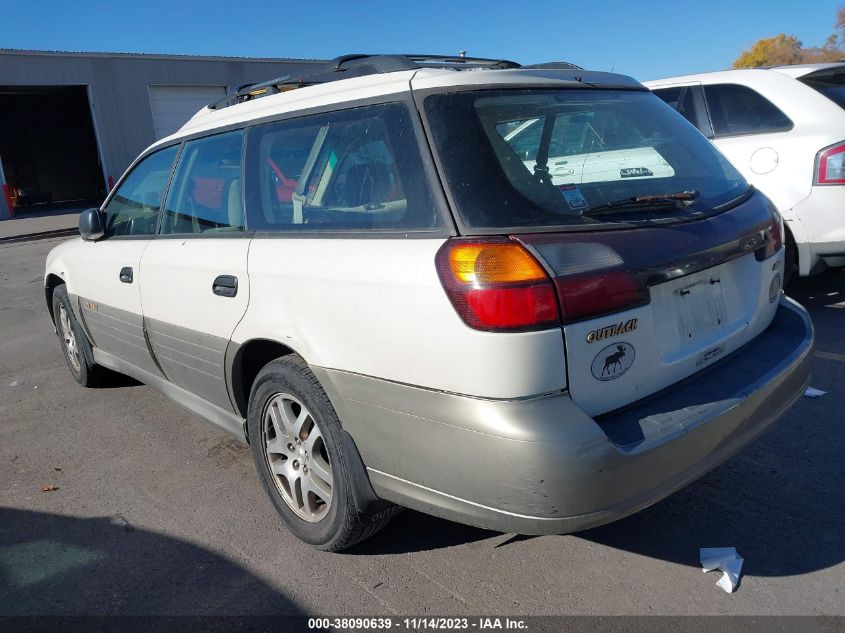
<point>284,186</point>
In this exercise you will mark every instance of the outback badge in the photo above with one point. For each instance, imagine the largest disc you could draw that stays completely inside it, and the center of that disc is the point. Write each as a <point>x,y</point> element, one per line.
<point>613,361</point>
<point>611,330</point>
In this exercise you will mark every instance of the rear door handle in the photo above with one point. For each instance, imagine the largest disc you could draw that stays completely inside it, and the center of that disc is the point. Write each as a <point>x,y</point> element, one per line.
<point>126,274</point>
<point>225,286</point>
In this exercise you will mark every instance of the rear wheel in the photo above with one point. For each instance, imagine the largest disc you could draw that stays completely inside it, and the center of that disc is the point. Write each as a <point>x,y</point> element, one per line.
<point>297,455</point>
<point>304,464</point>
<point>75,345</point>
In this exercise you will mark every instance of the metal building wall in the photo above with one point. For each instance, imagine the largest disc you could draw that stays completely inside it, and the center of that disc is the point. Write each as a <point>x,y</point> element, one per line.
<point>118,88</point>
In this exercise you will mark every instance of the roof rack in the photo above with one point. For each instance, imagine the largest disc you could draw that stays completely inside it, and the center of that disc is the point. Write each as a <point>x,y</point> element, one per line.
<point>359,65</point>
<point>554,66</point>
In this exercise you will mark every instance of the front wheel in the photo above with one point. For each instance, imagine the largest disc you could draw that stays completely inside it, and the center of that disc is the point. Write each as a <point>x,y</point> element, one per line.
<point>75,345</point>
<point>304,463</point>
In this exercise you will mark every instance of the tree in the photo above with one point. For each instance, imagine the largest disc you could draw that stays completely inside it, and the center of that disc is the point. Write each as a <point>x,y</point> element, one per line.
<point>772,51</point>
<point>787,49</point>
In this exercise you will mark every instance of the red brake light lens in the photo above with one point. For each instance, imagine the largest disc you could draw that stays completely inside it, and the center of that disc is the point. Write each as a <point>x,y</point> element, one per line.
<point>496,285</point>
<point>774,236</point>
<point>830,165</point>
<point>601,293</point>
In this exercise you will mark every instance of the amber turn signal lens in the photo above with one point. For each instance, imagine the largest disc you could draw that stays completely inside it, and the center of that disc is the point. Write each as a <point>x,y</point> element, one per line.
<point>496,285</point>
<point>494,263</point>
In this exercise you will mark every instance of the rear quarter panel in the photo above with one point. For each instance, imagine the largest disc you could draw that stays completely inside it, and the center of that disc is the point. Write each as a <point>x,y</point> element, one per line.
<point>376,307</point>
<point>818,123</point>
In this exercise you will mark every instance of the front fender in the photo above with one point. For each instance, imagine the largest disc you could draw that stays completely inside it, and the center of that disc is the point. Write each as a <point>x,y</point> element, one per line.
<point>56,272</point>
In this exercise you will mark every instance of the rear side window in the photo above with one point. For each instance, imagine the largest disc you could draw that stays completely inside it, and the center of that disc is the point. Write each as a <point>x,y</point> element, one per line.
<point>357,169</point>
<point>736,110</point>
<point>206,195</point>
<point>133,209</point>
<point>829,82</point>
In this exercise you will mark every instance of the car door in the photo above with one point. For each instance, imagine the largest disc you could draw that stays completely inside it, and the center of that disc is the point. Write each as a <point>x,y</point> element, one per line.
<point>106,273</point>
<point>194,287</point>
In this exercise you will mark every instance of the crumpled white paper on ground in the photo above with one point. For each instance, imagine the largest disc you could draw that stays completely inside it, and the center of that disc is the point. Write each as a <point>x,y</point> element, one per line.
<point>725,558</point>
<point>812,392</point>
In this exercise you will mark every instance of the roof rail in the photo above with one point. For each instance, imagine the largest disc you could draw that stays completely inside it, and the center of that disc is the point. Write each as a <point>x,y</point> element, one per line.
<point>358,65</point>
<point>554,66</point>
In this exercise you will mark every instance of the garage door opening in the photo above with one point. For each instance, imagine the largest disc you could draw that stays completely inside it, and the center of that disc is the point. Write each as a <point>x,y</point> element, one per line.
<point>49,148</point>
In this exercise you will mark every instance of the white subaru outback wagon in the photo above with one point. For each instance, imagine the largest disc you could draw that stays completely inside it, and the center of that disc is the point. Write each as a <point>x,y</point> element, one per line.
<point>531,299</point>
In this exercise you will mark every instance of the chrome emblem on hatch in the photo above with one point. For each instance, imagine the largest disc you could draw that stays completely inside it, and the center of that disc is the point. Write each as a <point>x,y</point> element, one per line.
<point>612,330</point>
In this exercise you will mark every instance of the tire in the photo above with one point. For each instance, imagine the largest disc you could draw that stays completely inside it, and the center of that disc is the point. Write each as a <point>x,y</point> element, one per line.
<point>75,345</point>
<point>308,465</point>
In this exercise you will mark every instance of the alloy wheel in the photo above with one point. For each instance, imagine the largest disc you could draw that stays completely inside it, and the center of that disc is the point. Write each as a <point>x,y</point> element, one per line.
<point>297,457</point>
<point>69,339</point>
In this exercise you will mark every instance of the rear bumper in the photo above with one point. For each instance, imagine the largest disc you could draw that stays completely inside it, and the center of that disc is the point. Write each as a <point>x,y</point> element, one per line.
<point>819,230</point>
<point>541,465</point>
<point>815,257</point>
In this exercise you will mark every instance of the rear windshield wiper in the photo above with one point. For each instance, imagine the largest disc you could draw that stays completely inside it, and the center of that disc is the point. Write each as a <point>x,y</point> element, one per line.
<point>638,202</point>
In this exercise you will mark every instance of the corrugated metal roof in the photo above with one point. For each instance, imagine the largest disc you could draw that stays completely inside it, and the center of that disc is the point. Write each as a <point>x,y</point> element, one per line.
<point>118,86</point>
<point>222,58</point>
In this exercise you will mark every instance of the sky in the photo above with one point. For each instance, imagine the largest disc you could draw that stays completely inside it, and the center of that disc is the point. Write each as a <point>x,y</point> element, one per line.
<point>643,38</point>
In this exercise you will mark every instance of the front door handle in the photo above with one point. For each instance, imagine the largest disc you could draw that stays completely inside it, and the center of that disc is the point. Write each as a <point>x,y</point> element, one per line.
<point>225,286</point>
<point>126,274</point>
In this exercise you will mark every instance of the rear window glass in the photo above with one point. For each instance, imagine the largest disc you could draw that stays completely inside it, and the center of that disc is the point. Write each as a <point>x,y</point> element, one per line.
<point>831,83</point>
<point>549,158</point>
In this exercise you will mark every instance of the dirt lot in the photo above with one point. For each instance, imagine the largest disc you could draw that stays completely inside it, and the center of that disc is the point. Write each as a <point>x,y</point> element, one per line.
<point>156,512</point>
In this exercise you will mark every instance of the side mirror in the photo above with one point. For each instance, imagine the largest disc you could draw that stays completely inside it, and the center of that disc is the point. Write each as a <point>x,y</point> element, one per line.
<point>91,224</point>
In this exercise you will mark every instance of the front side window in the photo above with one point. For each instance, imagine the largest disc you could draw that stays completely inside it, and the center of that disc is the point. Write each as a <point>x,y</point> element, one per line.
<point>206,195</point>
<point>736,110</point>
<point>133,209</point>
<point>573,157</point>
<point>356,169</point>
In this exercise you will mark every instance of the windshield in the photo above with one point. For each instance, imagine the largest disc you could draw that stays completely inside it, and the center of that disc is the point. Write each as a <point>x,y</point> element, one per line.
<point>829,82</point>
<point>546,158</point>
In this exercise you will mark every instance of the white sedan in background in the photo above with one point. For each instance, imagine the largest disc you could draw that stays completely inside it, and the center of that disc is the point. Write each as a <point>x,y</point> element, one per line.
<point>783,128</point>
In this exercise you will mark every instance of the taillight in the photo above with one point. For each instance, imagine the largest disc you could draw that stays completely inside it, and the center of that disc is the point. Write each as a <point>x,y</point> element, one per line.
<point>830,165</point>
<point>583,296</point>
<point>591,277</point>
<point>774,236</point>
<point>539,280</point>
<point>496,285</point>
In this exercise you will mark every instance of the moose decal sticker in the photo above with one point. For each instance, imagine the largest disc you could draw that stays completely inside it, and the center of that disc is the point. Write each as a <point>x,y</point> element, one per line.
<point>613,361</point>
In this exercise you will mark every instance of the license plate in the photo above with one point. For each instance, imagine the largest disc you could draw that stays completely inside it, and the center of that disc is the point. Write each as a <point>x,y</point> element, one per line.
<point>700,307</point>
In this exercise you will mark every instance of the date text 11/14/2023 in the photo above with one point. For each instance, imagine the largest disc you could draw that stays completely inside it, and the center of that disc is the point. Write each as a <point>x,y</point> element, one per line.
<point>419,623</point>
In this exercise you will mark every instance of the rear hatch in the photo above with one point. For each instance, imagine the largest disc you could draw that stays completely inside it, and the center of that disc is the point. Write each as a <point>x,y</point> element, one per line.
<point>663,259</point>
<point>649,307</point>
